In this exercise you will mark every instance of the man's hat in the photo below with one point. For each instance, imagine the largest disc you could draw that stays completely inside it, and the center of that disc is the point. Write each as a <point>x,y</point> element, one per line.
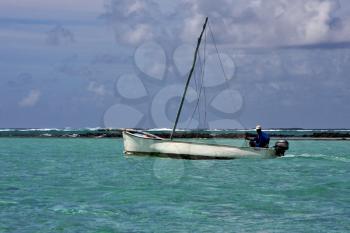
<point>258,127</point>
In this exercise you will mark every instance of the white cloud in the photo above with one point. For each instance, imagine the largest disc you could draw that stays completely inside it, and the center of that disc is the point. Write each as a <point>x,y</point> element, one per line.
<point>97,89</point>
<point>31,99</point>
<point>135,7</point>
<point>192,27</point>
<point>268,23</point>
<point>240,23</point>
<point>317,27</point>
<point>62,5</point>
<point>138,21</point>
<point>137,34</point>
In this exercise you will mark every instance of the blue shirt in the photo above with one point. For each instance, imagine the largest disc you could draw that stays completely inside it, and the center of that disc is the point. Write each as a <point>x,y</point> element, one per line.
<point>262,140</point>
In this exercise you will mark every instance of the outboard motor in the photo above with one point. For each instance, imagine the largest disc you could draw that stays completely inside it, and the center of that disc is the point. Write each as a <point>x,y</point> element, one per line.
<point>281,146</point>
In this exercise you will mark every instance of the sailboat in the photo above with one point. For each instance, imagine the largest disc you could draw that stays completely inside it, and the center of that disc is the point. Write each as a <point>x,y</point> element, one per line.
<point>138,142</point>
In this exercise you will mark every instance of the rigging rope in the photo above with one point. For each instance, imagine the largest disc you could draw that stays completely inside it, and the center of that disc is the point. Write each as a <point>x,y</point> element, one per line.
<point>201,88</point>
<point>217,52</point>
<point>221,65</point>
<point>200,84</point>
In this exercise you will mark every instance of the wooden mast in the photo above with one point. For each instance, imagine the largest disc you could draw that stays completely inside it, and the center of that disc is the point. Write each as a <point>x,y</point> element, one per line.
<point>188,79</point>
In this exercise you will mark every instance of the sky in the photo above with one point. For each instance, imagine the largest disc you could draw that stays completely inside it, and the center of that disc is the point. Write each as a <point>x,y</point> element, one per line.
<point>124,63</point>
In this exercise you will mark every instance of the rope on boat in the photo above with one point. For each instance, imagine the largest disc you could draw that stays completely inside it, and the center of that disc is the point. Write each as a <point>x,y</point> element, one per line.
<point>221,65</point>
<point>199,84</point>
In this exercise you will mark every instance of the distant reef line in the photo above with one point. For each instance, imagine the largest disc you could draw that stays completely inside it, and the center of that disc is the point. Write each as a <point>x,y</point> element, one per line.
<point>234,134</point>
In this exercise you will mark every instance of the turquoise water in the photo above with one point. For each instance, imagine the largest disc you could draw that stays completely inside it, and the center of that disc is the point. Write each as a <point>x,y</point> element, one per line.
<point>87,185</point>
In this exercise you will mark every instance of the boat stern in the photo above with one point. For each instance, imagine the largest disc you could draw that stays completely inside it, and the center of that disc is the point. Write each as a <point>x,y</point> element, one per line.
<point>281,146</point>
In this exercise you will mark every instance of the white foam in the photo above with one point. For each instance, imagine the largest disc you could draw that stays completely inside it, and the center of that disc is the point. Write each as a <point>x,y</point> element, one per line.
<point>327,157</point>
<point>93,128</point>
<point>6,130</point>
<point>161,129</point>
<point>305,155</point>
<point>35,129</point>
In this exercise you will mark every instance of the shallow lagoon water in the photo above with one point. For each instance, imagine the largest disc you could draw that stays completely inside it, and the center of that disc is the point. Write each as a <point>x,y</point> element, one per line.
<point>88,185</point>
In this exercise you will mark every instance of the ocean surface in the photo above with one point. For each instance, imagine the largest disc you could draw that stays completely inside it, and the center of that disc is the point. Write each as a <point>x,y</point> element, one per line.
<point>88,185</point>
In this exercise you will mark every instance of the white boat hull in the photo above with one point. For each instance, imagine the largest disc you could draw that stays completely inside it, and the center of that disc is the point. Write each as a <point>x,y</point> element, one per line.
<point>147,144</point>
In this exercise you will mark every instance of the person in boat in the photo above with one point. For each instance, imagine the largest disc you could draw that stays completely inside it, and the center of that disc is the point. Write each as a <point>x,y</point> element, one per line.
<point>262,139</point>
